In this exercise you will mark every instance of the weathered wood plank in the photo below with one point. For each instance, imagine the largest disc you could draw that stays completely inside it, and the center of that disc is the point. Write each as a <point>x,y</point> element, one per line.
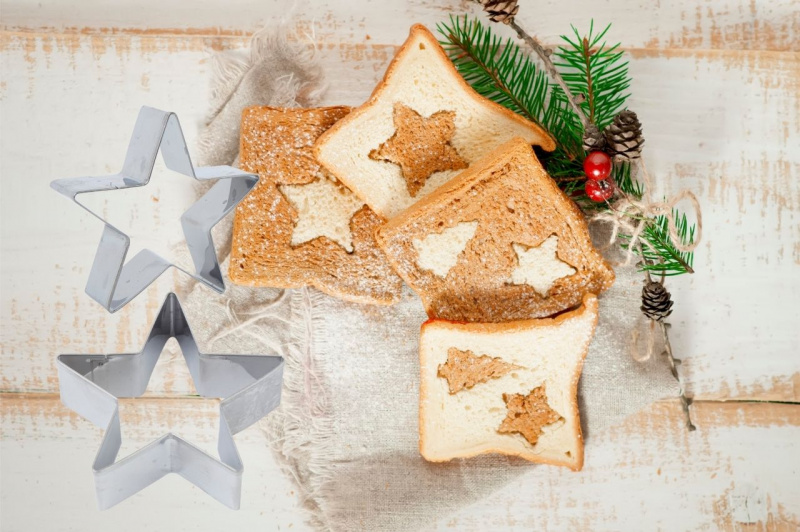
<point>47,455</point>
<point>738,471</point>
<point>650,474</point>
<point>707,24</point>
<point>721,123</point>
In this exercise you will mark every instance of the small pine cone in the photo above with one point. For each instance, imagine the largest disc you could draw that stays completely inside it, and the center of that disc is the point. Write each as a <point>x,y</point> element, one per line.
<point>593,139</point>
<point>500,10</point>
<point>624,136</point>
<point>656,301</point>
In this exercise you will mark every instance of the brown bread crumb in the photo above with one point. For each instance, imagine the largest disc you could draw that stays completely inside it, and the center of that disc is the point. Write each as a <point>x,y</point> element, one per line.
<point>527,414</point>
<point>464,369</point>
<point>420,146</point>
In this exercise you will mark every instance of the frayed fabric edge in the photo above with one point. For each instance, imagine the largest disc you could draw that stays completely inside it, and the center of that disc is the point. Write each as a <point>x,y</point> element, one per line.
<point>301,430</point>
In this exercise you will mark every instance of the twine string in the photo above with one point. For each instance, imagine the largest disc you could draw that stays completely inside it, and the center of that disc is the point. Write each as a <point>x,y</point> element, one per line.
<point>630,217</point>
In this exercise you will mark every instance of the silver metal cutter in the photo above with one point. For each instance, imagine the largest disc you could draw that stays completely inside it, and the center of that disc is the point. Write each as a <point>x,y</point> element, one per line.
<point>249,386</point>
<point>112,282</point>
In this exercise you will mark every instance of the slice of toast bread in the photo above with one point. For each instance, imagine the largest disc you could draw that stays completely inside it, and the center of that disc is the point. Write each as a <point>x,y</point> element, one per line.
<point>422,125</point>
<point>500,242</point>
<point>299,226</point>
<point>508,388</point>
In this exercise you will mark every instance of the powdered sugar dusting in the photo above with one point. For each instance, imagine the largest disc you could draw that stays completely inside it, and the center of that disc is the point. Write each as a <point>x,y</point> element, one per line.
<point>268,249</point>
<point>514,201</point>
<point>324,208</point>
<point>539,266</point>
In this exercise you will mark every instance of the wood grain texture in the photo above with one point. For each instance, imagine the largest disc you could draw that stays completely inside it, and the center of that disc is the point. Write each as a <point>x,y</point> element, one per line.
<point>703,24</point>
<point>717,478</point>
<point>650,474</point>
<point>722,123</point>
<point>717,85</point>
<point>46,481</point>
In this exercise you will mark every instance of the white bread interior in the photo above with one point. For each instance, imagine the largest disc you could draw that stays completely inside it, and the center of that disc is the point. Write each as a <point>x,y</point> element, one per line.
<point>539,266</point>
<point>324,208</point>
<point>439,252</point>
<point>423,78</point>
<point>548,351</point>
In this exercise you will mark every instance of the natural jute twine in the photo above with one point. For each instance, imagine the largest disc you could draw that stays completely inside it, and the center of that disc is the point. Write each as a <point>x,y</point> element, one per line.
<point>630,216</point>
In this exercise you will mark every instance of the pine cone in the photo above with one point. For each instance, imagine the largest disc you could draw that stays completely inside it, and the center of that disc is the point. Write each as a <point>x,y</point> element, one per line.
<point>500,10</point>
<point>593,139</point>
<point>656,301</point>
<point>624,136</point>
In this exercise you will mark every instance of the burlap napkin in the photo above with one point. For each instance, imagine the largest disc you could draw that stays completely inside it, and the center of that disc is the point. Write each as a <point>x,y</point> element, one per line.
<point>346,430</point>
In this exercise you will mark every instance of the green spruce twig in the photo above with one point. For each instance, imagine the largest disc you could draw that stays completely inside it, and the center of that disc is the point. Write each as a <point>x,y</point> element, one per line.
<point>591,67</point>
<point>496,68</point>
<point>660,255</point>
<point>597,75</point>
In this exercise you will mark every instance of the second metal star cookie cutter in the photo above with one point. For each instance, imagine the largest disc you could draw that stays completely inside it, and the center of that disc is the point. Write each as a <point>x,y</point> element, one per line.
<point>113,282</point>
<point>249,385</point>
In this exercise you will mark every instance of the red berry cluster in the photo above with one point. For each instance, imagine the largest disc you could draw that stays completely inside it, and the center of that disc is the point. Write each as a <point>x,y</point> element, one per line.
<point>597,167</point>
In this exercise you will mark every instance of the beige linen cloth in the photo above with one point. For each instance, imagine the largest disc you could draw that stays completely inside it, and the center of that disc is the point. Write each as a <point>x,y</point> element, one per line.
<point>346,430</point>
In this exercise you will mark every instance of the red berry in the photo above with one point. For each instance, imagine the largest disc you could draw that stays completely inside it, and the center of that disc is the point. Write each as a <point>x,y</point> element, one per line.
<point>599,190</point>
<point>597,165</point>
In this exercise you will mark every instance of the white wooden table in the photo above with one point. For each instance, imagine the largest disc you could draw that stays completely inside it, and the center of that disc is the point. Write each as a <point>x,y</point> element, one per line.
<point>717,86</point>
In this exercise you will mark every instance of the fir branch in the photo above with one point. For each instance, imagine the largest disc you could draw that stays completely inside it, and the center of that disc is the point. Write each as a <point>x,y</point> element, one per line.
<point>497,69</point>
<point>661,256</point>
<point>600,72</point>
<point>587,60</point>
<point>544,54</point>
<point>622,175</point>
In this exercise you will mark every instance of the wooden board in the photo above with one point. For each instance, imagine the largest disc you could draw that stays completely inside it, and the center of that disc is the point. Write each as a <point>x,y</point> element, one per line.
<point>647,474</point>
<point>736,156</point>
<point>704,24</point>
<point>717,85</point>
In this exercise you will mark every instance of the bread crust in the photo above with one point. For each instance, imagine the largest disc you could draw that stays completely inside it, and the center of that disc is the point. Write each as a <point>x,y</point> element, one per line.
<point>589,304</point>
<point>262,254</point>
<point>418,31</point>
<point>477,289</point>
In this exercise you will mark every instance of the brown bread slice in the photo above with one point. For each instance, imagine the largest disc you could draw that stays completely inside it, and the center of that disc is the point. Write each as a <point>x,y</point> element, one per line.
<point>499,242</point>
<point>273,245</point>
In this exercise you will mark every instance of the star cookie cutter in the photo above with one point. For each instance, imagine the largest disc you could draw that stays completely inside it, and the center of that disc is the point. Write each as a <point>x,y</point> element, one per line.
<point>249,385</point>
<point>112,282</point>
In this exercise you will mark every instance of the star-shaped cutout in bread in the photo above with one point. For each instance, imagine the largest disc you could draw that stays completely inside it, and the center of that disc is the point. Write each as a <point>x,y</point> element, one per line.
<point>301,226</point>
<point>527,414</point>
<point>420,146</point>
<point>539,266</point>
<point>324,208</point>
<point>421,77</point>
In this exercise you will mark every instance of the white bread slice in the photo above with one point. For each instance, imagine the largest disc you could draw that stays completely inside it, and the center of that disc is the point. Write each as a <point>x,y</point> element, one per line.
<point>499,242</point>
<point>545,355</point>
<point>422,78</point>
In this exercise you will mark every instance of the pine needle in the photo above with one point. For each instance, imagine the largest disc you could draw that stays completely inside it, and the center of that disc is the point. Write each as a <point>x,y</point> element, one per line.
<point>591,67</point>
<point>661,256</point>
<point>497,69</point>
<point>504,72</point>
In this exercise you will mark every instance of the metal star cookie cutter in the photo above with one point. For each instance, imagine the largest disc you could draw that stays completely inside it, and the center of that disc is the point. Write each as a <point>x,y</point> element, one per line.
<point>249,385</point>
<point>112,282</point>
